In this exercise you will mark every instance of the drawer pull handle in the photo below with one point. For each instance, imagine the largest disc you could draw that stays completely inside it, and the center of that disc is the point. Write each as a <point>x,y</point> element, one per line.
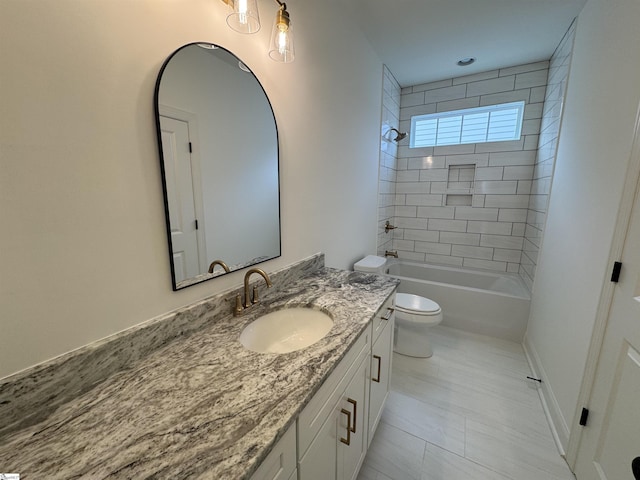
<point>355,413</point>
<point>347,441</point>
<point>379,358</point>
<point>389,313</point>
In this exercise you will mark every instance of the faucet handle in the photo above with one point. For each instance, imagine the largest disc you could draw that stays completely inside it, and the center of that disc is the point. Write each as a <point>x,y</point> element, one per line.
<point>254,296</point>
<point>388,226</point>
<point>237,310</point>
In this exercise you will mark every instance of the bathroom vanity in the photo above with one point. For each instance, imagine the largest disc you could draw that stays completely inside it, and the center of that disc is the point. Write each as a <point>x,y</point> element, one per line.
<point>336,427</point>
<point>200,405</point>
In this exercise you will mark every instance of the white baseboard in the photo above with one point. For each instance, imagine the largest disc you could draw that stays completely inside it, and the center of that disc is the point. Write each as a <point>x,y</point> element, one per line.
<point>556,420</point>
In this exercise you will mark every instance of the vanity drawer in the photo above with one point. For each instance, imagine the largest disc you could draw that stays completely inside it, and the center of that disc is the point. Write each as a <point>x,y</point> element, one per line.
<point>281,462</point>
<point>382,317</point>
<point>323,402</point>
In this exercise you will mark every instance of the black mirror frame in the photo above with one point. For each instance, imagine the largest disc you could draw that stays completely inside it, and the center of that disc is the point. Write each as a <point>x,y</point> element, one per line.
<point>156,97</point>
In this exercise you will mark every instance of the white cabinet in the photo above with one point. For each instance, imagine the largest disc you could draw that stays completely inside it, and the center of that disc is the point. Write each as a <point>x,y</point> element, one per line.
<point>322,423</point>
<point>354,426</point>
<point>335,428</point>
<point>381,354</point>
<point>340,446</point>
<point>384,316</point>
<point>280,464</point>
<point>319,462</point>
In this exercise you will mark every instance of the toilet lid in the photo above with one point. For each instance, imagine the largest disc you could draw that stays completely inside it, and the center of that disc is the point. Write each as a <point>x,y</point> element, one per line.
<point>416,304</point>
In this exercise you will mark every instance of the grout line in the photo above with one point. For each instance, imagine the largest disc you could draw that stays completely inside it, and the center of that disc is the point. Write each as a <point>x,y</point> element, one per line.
<point>460,344</point>
<point>502,475</point>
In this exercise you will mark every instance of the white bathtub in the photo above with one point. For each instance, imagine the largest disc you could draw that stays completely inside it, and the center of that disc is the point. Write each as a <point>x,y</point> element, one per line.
<point>479,301</point>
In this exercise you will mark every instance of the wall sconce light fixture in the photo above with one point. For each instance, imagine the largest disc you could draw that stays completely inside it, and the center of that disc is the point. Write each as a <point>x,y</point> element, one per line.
<point>243,17</point>
<point>281,45</point>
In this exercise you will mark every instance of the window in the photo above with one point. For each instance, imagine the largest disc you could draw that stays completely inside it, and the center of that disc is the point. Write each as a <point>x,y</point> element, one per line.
<point>495,123</point>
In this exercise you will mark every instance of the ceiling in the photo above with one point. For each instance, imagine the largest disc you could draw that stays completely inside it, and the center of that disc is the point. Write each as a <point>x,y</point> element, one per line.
<point>420,41</point>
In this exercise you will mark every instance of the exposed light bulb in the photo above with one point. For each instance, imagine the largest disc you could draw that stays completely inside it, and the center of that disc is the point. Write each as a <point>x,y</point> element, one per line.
<point>282,37</point>
<point>242,12</point>
<point>243,16</point>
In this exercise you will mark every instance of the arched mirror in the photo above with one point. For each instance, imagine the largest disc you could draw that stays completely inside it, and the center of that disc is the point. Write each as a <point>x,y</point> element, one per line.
<point>218,146</point>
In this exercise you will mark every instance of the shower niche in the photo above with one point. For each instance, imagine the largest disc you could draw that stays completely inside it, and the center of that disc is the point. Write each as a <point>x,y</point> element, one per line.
<point>460,180</point>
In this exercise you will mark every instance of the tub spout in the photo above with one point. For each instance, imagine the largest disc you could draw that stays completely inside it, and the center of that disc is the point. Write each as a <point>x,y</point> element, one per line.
<point>391,253</point>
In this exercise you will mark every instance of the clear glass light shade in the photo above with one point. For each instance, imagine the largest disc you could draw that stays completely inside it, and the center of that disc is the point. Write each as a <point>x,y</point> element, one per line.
<point>243,16</point>
<point>281,45</point>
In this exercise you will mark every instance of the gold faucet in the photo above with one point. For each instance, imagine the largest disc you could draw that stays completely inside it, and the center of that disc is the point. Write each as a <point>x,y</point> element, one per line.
<point>250,299</point>
<point>391,253</point>
<point>218,262</point>
<point>388,227</point>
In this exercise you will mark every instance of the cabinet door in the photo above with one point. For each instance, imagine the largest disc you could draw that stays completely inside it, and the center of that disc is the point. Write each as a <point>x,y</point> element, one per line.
<point>319,461</point>
<point>281,461</point>
<point>354,425</point>
<point>323,404</point>
<point>381,355</point>
<point>382,318</point>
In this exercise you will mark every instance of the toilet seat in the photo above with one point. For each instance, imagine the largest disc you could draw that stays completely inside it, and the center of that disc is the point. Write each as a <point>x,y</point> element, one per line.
<point>416,305</point>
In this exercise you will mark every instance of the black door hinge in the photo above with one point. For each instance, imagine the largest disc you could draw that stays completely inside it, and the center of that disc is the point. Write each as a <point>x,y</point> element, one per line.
<point>615,275</point>
<point>196,223</point>
<point>190,148</point>
<point>583,416</point>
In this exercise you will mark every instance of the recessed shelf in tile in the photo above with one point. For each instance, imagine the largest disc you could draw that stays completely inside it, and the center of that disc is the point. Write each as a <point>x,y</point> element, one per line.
<point>460,178</point>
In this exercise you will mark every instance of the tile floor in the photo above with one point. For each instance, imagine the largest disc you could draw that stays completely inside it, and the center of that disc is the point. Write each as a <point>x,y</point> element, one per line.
<point>467,413</point>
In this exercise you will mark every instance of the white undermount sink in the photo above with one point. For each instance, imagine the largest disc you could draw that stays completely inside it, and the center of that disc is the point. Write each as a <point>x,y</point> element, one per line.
<point>286,330</point>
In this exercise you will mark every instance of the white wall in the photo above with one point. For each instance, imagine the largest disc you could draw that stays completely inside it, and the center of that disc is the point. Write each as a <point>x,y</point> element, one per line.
<point>593,151</point>
<point>83,250</point>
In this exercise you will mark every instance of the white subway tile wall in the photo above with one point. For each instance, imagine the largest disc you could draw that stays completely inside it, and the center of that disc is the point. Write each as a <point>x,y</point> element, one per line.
<point>387,199</point>
<point>546,155</point>
<point>476,205</point>
<point>472,200</point>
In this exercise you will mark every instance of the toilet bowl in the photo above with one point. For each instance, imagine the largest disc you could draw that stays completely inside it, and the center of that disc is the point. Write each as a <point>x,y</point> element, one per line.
<point>414,314</point>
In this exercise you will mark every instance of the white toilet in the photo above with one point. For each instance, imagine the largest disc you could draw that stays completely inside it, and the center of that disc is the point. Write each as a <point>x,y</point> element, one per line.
<point>414,314</point>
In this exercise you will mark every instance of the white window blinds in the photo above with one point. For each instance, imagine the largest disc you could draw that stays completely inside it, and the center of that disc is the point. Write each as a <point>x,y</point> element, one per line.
<point>494,123</point>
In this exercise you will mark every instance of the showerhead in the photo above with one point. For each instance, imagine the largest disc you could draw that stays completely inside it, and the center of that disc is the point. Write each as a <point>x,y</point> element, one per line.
<point>400,135</point>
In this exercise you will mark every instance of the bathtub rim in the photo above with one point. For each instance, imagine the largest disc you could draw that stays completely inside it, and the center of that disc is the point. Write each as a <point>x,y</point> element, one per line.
<point>491,273</point>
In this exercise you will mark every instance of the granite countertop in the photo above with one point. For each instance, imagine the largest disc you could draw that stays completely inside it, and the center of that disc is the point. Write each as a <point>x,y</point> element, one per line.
<point>201,406</point>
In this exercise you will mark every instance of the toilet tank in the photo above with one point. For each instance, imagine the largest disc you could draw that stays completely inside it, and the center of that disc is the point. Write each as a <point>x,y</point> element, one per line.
<point>371,264</point>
